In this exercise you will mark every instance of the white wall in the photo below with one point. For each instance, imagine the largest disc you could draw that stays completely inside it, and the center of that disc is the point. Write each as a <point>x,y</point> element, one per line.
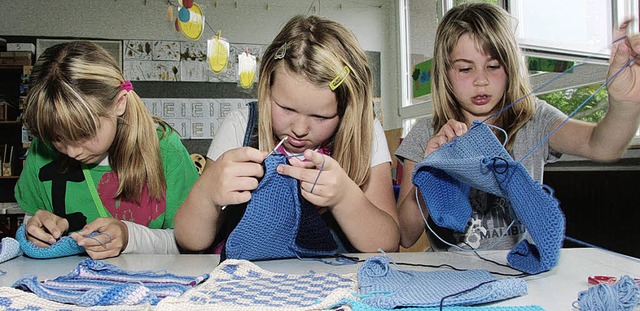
<point>374,22</point>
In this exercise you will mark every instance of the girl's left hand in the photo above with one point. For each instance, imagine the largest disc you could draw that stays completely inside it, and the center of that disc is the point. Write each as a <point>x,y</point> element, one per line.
<point>111,240</point>
<point>324,190</point>
<point>625,88</point>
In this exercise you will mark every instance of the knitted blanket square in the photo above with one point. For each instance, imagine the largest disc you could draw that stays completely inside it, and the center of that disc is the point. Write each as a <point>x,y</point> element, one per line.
<point>9,249</point>
<point>97,283</point>
<point>242,285</point>
<point>278,222</point>
<point>360,306</point>
<point>381,286</point>
<point>65,246</point>
<point>478,160</point>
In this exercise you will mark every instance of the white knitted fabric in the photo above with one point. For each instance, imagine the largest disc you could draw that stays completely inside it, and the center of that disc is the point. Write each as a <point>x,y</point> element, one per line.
<point>15,299</point>
<point>241,285</point>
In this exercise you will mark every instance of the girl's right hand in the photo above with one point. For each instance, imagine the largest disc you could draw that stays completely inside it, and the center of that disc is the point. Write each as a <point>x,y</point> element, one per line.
<point>447,133</point>
<point>45,228</point>
<point>234,175</point>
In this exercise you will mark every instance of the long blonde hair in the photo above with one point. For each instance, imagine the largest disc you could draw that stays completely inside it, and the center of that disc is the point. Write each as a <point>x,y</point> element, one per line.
<point>74,84</point>
<point>490,26</point>
<point>319,49</point>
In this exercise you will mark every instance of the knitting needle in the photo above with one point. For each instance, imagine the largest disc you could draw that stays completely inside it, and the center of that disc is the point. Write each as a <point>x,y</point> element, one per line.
<point>278,145</point>
<point>274,150</point>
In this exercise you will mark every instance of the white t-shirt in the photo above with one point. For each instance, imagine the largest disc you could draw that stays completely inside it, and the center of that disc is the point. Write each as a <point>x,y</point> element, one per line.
<point>231,133</point>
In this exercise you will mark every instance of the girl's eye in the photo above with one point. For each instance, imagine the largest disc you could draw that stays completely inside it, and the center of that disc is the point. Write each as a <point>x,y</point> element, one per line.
<point>464,69</point>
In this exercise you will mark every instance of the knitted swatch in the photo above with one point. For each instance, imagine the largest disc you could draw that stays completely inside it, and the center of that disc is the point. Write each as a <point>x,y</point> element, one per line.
<point>276,224</point>
<point>479,160</point>
<point>9,249</point>
<point>15,299</point>
<point>241,285</point>
<point>97,283</point>
<point>65,246</point>
<point>384,287</point>
<point>359,306</point>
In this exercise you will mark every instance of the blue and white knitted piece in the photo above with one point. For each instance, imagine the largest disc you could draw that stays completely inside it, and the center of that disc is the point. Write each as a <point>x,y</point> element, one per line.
<point>242,285</point>
<point>384,287</point>
<point>359,306</point>
<point>276,224</point>
<point>478,160</point>
<point>97,283</point>
<point>15,299</point>
<point>65,246</point>
<point>9,249</point>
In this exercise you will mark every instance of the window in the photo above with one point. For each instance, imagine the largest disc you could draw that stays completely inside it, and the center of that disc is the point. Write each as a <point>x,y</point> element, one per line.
<point>571,30</point>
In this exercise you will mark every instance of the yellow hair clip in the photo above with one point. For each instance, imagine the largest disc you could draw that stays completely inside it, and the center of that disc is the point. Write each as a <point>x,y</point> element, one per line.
<point>335,83</point>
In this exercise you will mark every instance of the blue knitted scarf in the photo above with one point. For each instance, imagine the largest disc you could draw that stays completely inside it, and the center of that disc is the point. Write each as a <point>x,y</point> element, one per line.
<point>477,159</point>
<point>278,222</point>
<point>97,283</point>
<point>384,287</point>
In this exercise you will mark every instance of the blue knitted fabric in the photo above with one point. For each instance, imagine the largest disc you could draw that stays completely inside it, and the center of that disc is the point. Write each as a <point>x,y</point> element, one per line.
<point>9,249</point>
<point>65,246</point>
<point>12,299</point>
<point>242,285</point>
<point>359,306</point>
<point>384,287</point>
<point>276,224</point>
<point>97,283</point>
<point>478,160</point>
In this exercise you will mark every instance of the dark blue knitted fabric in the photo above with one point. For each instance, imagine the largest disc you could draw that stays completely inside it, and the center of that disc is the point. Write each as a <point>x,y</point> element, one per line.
<point>382,286</point>
<point>478,160</point>
<point>65,246</point>
<point>276,224</point>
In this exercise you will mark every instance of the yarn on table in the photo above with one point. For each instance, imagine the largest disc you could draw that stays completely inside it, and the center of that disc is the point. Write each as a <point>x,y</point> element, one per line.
<point>97,283</point>
<point>9,249</point>
<point>241,285</point>
<point>381,286</point>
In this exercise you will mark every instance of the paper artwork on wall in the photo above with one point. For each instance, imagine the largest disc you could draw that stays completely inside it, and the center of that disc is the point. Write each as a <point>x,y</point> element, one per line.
<point>194,118</point>
<point>181,61</point>
<point>421,77</point>
<point>247,69</point>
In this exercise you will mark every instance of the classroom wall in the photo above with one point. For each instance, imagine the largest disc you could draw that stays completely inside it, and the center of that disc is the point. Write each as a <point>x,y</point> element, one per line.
<point>374,22</point>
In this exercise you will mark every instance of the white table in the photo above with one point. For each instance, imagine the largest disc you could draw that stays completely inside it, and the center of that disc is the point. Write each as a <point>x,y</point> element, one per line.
<point>553,290</point>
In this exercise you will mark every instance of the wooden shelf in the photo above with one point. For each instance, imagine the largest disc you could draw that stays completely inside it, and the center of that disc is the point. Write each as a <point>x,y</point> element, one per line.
<point>9,177</point>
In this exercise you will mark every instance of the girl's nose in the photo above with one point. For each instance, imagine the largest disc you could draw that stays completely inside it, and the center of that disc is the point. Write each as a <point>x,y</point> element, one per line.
<point>299,126</point>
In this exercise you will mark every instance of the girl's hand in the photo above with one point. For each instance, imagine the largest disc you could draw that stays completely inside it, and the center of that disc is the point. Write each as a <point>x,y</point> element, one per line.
<point>45,228</point>
<point>109,239</point>
<point>625,88</point>
<point>234,175</point>
<point>446,134</point>
<point>324,190</point>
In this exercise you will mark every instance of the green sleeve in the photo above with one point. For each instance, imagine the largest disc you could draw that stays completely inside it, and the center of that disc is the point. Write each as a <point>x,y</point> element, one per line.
<point>30,193</point>
<point>180,174</point>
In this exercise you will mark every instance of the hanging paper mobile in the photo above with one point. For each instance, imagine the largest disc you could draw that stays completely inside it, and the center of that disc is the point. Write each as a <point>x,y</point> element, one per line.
<point>217,53</point>
<point>246,69</point>
<point>191,21</point>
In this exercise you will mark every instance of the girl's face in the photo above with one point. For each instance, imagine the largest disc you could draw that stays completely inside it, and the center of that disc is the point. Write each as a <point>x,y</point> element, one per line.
<point>96,149</point>
<point>92,150</point>
<point>478,80</point>
<point>306,113</point>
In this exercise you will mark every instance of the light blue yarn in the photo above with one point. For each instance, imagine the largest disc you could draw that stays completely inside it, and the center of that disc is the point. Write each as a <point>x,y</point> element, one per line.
<point>9,249</point>
<point>65,246</point>
<point>624,295</point>
<point>385,287</point>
